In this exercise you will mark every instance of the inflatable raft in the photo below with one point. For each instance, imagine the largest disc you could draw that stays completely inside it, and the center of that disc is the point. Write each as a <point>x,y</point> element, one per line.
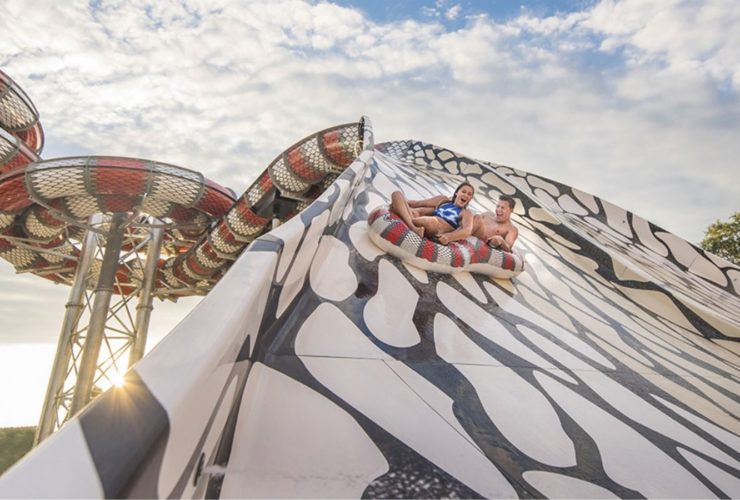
<point>389,232</point>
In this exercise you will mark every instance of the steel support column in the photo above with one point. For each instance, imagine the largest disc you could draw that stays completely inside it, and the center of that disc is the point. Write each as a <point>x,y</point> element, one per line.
<point>99,315</point>
<point>100,331</point>
<point>146,296</point>
<point>75,304</point>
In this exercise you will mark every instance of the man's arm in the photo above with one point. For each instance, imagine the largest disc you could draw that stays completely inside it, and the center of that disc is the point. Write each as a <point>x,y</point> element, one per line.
<point>511,237</point>
<point>504,243</point>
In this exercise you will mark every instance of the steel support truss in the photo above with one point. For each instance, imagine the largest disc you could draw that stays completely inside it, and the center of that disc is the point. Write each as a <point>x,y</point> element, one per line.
<point>102,333</point>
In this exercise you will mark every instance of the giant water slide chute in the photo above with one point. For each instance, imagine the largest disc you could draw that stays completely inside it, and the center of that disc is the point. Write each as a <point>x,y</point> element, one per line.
<point>45,206</point>
<point>320,366</point>
<point>18,118</point>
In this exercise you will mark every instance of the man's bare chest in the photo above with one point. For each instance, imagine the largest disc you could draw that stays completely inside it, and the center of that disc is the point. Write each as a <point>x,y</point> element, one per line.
<point>493,228</point>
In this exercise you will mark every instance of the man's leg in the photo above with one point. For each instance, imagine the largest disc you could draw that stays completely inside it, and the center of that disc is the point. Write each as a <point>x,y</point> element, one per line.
<point>400,206</point>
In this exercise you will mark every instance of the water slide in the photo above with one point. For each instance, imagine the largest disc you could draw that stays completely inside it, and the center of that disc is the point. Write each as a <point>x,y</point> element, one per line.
<point>321,366</point>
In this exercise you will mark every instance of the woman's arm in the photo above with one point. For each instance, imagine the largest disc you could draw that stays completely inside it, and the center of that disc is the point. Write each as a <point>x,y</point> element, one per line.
<point>462,232</point>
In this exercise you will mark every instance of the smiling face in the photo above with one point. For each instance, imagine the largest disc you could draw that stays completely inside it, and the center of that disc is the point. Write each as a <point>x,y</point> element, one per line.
<point>503,211</point>
<point>463,195</point>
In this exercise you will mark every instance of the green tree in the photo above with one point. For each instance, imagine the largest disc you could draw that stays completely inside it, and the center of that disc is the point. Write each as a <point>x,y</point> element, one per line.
<point>723,239</point>
<point>14,443</point>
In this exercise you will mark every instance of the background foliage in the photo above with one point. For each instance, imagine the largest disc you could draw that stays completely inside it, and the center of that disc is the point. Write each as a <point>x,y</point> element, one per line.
<point>723,239</point>
<point>14,443</point>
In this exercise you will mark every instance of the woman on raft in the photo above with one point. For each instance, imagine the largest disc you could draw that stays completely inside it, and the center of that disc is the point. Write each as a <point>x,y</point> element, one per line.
<point>439,218</point>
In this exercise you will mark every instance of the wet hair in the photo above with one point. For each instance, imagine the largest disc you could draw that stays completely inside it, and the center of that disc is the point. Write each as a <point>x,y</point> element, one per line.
<point>458,188</point>
<point>508,199</point>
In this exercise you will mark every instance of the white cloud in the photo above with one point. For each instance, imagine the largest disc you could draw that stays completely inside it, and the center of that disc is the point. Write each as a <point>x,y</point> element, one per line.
<point>442,8</point>
<point>453,12</point>
<point>702,36</point>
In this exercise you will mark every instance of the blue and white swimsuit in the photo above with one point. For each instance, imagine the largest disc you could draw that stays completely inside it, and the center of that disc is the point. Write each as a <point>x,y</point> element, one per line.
<point>450,213</point>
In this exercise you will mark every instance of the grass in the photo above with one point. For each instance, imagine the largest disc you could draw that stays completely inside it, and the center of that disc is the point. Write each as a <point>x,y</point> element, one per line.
<point>14,443</point>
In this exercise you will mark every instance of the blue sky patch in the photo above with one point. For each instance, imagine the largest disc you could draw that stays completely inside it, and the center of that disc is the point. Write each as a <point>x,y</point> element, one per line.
<point>453,14</point>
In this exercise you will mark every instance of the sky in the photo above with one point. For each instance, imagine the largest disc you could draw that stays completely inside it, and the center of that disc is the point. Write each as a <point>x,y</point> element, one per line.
<point>635,101</point>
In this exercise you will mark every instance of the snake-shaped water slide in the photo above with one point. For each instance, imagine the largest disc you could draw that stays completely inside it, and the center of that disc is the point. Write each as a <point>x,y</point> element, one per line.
<point>320,366</point>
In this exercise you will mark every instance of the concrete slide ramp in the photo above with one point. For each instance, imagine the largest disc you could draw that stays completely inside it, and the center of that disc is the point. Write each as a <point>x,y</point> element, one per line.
<point>319,366</point>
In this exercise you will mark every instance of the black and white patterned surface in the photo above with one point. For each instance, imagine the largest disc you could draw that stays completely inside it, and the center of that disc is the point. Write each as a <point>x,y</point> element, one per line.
<point>321,367</point>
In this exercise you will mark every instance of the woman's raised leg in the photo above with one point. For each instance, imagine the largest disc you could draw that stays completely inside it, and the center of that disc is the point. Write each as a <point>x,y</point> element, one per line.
<point>400,205</point>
